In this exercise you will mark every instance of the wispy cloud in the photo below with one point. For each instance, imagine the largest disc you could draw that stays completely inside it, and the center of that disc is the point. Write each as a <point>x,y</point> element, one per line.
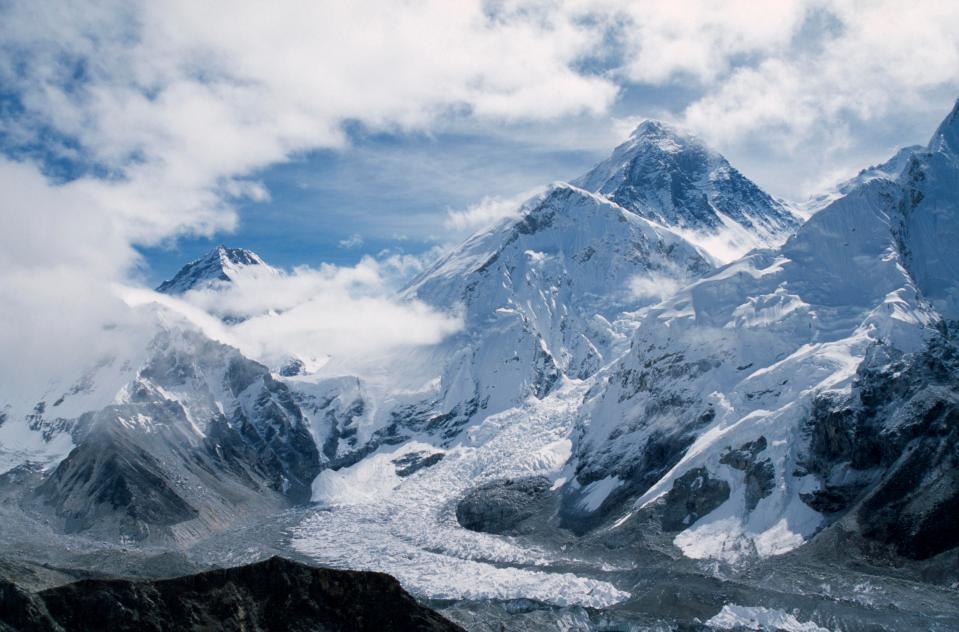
<point>488,211</point>
<point>352,241</point>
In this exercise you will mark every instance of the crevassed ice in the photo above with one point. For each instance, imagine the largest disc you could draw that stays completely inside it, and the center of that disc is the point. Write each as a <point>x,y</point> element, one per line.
<point>374,520</point>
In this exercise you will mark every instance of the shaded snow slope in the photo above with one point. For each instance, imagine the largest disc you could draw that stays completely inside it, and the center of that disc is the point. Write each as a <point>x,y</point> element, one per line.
<point>888,170</point>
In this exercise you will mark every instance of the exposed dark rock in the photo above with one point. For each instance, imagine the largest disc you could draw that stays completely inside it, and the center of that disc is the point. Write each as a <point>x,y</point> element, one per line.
<point>899,432</point>
<point>758,475</point>
<point>293,367</point>
<point>759,479</point>
<point>659,454</point>
<point>409,464</point>
<point>693,495</point>
<point>832,498</point>
<point>276,594</point>
<point>745,455</point>
<point>500,506</point>
<point>22,611</point>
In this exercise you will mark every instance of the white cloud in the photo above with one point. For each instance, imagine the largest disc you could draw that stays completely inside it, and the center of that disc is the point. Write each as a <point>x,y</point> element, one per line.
<point>353,241</point>
<point>488,211</point>
<point>697,39</point>
<point>652,285</point>
<point>349,314</point>
<point>176,103</point>
<point>878,67</point>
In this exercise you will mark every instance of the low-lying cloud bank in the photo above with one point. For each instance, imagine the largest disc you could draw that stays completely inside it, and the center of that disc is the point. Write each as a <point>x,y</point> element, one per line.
<point>346,314</point>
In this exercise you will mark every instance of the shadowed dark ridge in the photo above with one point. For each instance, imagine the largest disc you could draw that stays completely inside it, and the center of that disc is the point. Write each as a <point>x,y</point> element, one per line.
<point>276,594</point>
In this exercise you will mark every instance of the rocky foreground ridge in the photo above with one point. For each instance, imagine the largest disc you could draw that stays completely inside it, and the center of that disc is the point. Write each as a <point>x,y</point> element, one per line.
<point>276,594</point>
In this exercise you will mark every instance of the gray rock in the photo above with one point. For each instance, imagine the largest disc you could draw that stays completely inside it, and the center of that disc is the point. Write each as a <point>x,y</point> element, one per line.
<point>500,506</point>
<point>758,475</point>
<point>887,455</point>
<point>693,495</point>
<point>411,463</point>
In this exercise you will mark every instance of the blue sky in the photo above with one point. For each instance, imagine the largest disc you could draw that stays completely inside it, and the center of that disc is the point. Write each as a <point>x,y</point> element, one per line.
<point>393,191</point>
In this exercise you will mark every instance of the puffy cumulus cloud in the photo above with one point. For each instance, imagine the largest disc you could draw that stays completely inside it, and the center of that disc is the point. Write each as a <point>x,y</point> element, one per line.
<point>697,39</point>
<point>488,211</point>
<point>349,314</point>
<point>173,82</point>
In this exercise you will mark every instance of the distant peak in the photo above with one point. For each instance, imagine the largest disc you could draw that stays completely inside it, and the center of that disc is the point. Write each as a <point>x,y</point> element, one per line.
<point>668,175</point>
<point>217,265</point>
<point>649,126</point>
<point>239,256</point>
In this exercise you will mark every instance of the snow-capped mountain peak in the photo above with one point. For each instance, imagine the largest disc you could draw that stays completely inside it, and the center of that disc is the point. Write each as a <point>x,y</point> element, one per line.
<point>671,177</point>
<point>220,265</point>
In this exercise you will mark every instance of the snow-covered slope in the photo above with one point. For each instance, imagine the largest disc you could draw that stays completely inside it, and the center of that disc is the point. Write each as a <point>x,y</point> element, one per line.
<point>547,295</point>
<point>554,293</point>
<point>706,419</point>
<point>672,178</point>
<point>608,375</point>
<point>218,266</point>
<point>929,209</point>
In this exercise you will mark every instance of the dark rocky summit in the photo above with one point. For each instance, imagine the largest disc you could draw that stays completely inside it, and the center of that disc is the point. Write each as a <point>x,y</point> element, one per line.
<point>275,594</point>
